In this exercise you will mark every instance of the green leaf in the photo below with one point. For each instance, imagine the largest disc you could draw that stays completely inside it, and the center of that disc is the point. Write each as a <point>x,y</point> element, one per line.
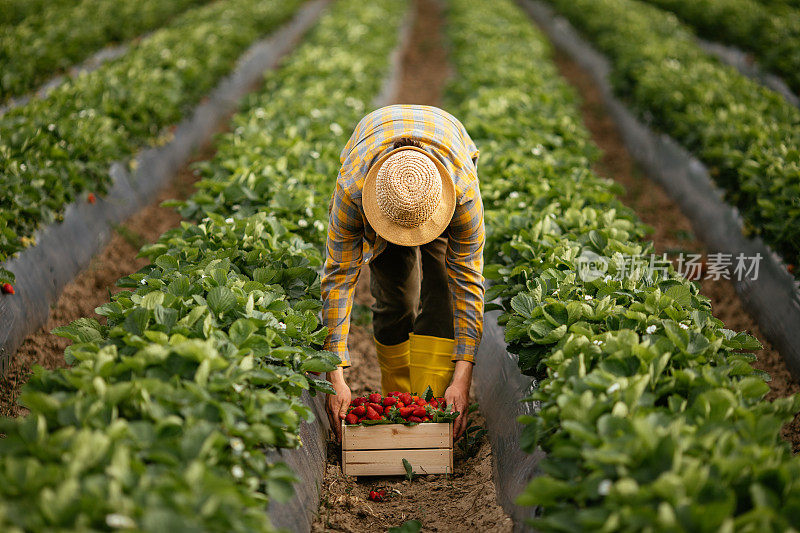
<point>409,469</point>
<point>428,394</point>
<point>410,526</point>
<point>221,300</point>
<point>524,304</point>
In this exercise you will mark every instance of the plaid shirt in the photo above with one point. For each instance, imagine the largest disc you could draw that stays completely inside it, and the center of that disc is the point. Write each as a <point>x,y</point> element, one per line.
<point>352,241</point>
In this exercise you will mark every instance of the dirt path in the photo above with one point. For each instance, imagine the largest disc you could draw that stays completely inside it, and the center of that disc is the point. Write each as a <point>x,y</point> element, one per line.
<point>91,288</point>
<point>673,231</point>
<point>465,500</point>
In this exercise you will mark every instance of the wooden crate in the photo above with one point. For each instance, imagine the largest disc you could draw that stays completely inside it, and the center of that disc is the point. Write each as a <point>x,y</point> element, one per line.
<point>379,450</point>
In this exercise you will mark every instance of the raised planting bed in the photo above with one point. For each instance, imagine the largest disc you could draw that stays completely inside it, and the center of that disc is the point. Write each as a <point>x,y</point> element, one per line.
<point>745,134</point>
<point>52,156</point>
<point>64,248</point>
<point>770,32</point>
<point>52,39</point>
<point>773,297</point>
<point>199,373</point>
<point>649,411</point>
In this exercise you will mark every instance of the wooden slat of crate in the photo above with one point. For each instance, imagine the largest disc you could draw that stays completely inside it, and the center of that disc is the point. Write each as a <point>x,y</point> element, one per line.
<point>390,462</point>
<point>384,437</point>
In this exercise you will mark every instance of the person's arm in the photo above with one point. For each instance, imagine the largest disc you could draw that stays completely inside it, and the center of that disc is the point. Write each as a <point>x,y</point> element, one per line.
<point>343,259</point>
<point>464,260</point>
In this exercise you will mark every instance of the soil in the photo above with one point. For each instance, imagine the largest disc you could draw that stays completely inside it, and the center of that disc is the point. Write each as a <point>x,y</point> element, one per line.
<point>466,499</point>
<point>672,231</point>
<point>91,288</point>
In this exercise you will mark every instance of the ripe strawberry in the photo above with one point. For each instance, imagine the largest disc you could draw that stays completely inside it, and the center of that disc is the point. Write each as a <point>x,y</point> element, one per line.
<point>442,402</point>
<point>406,398</point>
<point>426,419</point>
<point>389,401</point>
<point>399,405</point>
<point>420,401</point>
<point>434,404</point>
<point>372,414</point>
<point>377,495</point>
<point>8,288</point>
<point>378,407</point>
<point>359,411</point>
<point>414,419</point>
<point>91,198</point>
<point>375,398</point>
<point>359,401</point>
<point>351,419</point>
<point>405,412</point>
<point>420,412</point>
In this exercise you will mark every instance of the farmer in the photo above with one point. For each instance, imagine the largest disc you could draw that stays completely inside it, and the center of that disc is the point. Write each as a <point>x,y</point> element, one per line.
<point>407,203</point>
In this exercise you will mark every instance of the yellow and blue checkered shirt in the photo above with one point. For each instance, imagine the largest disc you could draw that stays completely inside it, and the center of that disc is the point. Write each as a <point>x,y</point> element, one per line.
<point>352,241</point>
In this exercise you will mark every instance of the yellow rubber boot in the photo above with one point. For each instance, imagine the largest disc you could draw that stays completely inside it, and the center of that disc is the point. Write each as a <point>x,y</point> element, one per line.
<point>393,361</point>
<point>430,363</point>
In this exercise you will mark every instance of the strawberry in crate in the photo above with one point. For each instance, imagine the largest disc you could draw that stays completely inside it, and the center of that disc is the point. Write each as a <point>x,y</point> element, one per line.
<point>399,408</point>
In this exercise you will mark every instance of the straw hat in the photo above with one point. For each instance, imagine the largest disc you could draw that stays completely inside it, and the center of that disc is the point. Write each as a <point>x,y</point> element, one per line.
<point>408,197</point>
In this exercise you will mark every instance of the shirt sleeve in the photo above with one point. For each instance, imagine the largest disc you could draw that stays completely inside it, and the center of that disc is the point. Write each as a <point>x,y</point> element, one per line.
<point>464,261</point>
<point>343,258</point>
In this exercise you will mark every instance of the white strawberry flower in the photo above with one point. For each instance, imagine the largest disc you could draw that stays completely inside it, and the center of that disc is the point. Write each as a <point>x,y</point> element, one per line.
<point>238,387</point>
<point>237,472</point>
<point>513,195</point>
<point>604,487</point>
<point>683,326</point>
<point>598,342</point>
<point>336,129</point>
<point>281,326</point>
<point>614,387</point>
<point>120,521</point>
<point>143,282</point>
<point>651,329</point>
<point>587,297</point>
<point>303,223</point>
<point>237,445</point>
<point>319,226</point>
<point>229,220</point>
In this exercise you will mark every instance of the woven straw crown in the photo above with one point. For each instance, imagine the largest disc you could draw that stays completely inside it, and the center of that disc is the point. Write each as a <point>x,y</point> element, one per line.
<point>408,188</point>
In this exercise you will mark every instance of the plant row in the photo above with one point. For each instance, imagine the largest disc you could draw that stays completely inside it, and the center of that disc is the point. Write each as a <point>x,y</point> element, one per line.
<point>15,11</point>
<point>165,419</point>
<point>56,38</point>
<point>57,148</point>
<point>747,135</point>
<point>649,410</point>
<point>772,33</point>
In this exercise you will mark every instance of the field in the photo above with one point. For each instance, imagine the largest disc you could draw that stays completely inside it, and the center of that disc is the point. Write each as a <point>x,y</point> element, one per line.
<point>169,374</point>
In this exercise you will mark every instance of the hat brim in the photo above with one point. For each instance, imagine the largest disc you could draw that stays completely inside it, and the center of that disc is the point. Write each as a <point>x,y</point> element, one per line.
<point>395,233</point>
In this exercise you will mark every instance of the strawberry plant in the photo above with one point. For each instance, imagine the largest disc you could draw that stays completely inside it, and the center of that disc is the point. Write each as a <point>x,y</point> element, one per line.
<point>746,134</point>
<point>649,411</point>
<point>176,396</point>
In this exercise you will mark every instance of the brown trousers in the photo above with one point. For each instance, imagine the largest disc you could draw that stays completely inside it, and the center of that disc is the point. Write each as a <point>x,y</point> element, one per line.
<point>409,284</point>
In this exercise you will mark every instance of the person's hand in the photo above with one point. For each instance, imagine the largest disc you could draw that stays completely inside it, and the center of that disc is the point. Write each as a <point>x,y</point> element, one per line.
<point>457,395</point>
<point>336,404</point>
